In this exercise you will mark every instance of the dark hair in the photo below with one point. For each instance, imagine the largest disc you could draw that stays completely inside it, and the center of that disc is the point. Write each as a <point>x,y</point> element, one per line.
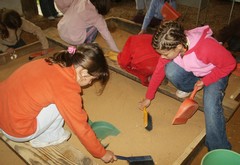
<point>89,56</point>
<point>168,35</point>
<point>102,6</point>
<point>9,19</point>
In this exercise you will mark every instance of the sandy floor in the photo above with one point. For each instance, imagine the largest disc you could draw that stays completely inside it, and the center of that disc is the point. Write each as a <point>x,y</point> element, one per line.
<point>118,106</point>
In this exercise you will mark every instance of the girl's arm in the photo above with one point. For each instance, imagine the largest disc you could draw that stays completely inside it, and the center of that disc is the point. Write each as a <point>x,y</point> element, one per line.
<point>101,25</point>
<point>35,30</point>
<point>3,48</point>
<point>212,52</point>
<point>70,107</point>
<point>156,79</point>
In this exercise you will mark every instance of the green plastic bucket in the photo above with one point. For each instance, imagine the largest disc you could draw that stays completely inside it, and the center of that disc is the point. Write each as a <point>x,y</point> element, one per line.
<point>221,157</point>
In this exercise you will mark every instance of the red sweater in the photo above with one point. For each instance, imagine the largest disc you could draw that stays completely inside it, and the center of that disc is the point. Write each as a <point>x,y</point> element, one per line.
<point>34,86</point>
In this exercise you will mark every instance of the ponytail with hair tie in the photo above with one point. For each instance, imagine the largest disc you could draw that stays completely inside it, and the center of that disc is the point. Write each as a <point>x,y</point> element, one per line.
<point>71,50</point>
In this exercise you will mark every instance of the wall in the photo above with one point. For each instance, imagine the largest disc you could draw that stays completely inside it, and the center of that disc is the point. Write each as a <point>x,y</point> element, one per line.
<point>12,4</point>
<point>28,8</point>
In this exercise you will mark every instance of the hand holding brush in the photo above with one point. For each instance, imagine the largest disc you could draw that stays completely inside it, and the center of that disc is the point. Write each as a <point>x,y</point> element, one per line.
<point>147,120</point>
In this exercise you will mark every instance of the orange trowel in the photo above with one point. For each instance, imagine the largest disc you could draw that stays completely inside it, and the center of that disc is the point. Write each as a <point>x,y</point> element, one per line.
<point>187,109</point>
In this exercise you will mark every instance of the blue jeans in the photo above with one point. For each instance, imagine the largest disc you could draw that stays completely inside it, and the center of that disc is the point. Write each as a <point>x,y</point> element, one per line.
<point>20,43</point>
<point>92,33</point>
<point>142,4</point>
<point>48,8</point>
<point>216,137</point>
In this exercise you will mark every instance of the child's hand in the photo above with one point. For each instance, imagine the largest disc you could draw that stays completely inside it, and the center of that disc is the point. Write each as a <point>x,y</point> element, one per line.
<point>142,32</point>
<point>109,157</point>
<point>199,84</point>
<point>144,103</point>
<point>44,52</point>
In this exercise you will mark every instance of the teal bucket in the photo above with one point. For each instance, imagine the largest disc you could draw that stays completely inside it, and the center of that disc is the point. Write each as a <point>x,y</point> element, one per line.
<point>221,157</point>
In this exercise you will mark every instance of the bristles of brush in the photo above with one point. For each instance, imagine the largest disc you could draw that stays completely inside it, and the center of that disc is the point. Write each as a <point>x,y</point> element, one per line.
<point>149,125</point>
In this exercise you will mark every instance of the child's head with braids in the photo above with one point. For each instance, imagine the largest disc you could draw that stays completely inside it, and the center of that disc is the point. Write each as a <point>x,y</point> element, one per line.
<point>169,40</point>
<point>88,61</point>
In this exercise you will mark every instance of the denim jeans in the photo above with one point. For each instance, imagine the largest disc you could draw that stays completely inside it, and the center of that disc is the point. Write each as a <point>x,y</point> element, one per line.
<point>48,8</point>
<point>216,137</point>
<point>142,4</point>
<point>92,33</point>
<point>20,43</point>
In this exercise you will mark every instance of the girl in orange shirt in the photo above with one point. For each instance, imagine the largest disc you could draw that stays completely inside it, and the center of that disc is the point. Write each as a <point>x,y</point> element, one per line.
<point>40,95</point>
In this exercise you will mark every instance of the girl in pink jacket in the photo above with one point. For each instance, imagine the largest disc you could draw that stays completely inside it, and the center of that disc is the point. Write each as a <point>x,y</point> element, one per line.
<point>82,20</point>
<point>196,59</point>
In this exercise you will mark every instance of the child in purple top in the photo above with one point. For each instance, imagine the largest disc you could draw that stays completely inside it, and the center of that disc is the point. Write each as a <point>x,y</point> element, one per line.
<point>82,20</point>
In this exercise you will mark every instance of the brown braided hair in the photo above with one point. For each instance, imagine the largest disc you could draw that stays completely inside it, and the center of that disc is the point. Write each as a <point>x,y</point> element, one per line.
<point>168,35</point>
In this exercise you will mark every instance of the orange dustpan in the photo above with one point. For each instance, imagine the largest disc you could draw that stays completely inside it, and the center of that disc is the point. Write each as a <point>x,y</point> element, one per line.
<point>169,13</point>
<point>186,109</point>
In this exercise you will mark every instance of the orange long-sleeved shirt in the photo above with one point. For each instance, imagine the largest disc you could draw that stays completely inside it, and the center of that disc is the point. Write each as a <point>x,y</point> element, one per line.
<point>34,86</point>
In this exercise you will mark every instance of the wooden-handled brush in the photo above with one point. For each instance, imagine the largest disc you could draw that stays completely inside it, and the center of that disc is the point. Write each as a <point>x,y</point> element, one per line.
<point>147,120</point>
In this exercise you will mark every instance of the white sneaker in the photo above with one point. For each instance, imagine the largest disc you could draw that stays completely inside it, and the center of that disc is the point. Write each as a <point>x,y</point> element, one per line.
<point>51,18</point>
<point>59,15</point>
<point>39,144</point>
<point>182,94</point>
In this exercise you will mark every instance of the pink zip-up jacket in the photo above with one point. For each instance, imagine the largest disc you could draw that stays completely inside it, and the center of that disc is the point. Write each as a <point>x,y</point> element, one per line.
<point>78,16</point>
<point>206,58</point>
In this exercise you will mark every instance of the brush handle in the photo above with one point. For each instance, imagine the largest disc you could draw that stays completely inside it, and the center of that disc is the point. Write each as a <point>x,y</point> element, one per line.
<point>121,157</point>
<point>145,117</point>
<point>194,92</point>
<point>135,158</point>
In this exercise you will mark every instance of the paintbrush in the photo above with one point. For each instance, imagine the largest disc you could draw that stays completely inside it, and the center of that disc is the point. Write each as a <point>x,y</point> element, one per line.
<point>147,120</point>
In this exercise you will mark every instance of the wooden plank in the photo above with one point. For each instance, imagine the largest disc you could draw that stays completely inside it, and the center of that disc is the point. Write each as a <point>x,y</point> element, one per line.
<point>62,154</point>
<point>32,47</point>
<point>190,149</point>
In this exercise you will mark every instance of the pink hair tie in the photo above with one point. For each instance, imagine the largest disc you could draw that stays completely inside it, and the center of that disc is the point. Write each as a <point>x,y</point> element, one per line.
<point>71,50</point>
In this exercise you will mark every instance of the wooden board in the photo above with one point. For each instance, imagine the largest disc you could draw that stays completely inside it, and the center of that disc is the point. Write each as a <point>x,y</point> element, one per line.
<point>63,154</point>
<point>33,47</point>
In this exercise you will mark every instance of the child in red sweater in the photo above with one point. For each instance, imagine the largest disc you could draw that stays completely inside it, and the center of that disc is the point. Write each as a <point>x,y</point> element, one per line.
<point>197,59</point>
